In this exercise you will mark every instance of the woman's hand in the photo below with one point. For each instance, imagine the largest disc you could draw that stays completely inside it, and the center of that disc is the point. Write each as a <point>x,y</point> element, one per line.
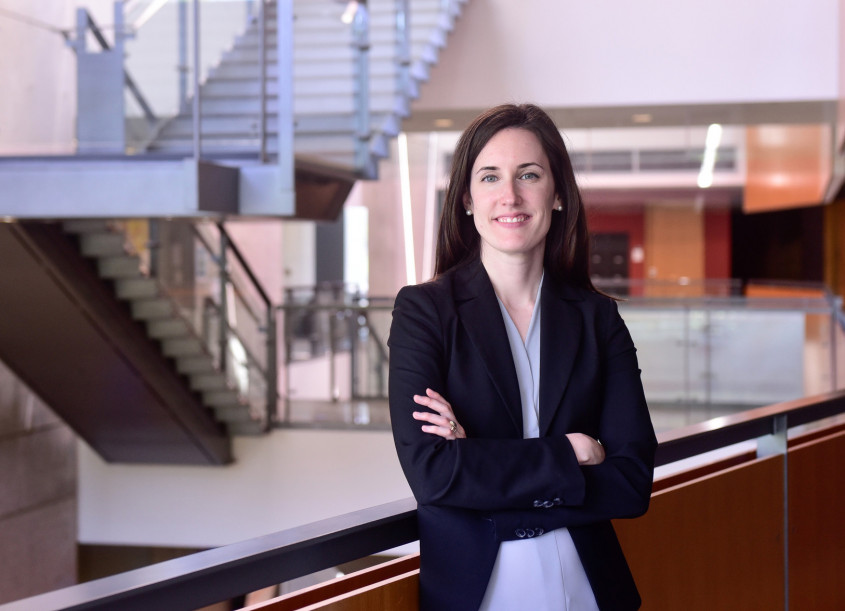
<point>588,451</point>
<point>442,423</point>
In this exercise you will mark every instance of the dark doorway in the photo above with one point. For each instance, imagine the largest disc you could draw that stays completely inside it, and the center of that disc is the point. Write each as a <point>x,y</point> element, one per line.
<point>780,245</point>
<point>609,261</point>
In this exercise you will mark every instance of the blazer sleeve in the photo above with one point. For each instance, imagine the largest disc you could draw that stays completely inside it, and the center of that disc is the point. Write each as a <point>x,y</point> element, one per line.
<point>620,487</point>
<point>474,473</point>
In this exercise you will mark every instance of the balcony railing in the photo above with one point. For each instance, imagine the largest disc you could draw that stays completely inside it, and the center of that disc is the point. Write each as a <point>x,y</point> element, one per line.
<point>705,348</point>
<point>227,572</point>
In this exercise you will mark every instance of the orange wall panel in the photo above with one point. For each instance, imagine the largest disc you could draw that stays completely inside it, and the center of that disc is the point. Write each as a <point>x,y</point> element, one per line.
<point>787,166</point>
<point>674,247</point>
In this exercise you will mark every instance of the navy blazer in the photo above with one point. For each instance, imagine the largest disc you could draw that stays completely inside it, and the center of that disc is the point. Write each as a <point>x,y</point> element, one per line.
<point>494,486</point>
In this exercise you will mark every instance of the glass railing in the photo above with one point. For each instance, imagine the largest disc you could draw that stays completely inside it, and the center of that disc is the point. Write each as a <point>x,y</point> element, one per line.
<point>335,355</point>
<point>201,271</point>
<point>174,50</point>
<point>704,349</point>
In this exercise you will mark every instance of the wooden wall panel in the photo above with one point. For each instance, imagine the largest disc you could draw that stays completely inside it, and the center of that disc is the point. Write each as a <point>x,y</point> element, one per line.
<point>399,593</point>
<point>713,543</point>
<point>354,582</point>
<point>787,166</point>
<point>816,524</point>
<point>674,247</point>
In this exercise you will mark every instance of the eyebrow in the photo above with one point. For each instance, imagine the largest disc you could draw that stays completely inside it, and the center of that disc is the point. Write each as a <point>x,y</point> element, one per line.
<point>521,166</point>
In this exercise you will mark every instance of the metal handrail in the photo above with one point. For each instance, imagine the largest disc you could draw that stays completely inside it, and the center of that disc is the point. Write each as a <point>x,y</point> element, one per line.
<point>219,574</point>
<point>146,9</point>
<point>361,44</point>
<point>262,72</point>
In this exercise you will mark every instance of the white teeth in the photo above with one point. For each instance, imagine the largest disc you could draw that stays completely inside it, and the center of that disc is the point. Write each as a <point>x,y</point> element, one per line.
<point>512,219</point>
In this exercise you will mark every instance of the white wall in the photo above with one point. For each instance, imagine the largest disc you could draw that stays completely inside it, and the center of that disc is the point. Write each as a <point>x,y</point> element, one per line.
<point>285,479</point>
<point>616,52</point>
<point>38,72</point>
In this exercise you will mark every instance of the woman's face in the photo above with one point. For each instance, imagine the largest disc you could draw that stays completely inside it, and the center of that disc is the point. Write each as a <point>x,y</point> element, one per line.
<point>511,195</point>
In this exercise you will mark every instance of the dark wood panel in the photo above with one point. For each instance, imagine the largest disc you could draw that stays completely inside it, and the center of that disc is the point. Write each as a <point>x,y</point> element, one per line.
<point>341,586</point>
<point>713,543</point>
<point>402,592</point>
<point>75,345</point>
<point>816,525</point>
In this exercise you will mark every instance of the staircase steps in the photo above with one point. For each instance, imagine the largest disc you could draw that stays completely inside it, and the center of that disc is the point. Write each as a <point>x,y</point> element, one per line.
<point>121,266</point>
<point>104,242</point>
<point>324,74</point>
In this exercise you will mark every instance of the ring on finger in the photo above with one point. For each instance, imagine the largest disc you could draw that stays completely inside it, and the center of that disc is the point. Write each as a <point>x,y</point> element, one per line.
<point>453,426</point>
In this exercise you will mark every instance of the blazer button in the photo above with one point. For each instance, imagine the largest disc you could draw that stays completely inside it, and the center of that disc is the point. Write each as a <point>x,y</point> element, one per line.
<point>548,504</point>
<point>539,503</point>
<point>520,533</point>
<point>529,533</point>
<point>539,531</point>
<point>557,501</point>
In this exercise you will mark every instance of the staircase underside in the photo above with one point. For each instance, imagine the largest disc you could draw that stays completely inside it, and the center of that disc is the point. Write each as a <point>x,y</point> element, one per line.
<point>75,345</point>
<point>133,187</point>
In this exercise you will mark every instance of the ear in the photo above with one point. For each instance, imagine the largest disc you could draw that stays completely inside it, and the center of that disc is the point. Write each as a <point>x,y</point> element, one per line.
<point>467,201</point>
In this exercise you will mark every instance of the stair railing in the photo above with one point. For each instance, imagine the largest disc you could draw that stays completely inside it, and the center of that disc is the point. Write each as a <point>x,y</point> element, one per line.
<point>244,310</point>
<point>262,71</point>
<point>403,52</point>
<point>361,43</point>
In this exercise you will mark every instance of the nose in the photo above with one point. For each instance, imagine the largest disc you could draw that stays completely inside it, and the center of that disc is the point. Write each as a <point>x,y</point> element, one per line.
<point>508,194</point>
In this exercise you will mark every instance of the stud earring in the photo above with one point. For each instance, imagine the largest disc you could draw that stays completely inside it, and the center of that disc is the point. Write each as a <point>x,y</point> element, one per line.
<point>559,207</point>
<point>469,212</point>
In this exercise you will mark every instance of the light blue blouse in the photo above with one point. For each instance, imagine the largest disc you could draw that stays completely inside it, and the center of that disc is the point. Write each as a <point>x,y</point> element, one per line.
<point>543,572</point>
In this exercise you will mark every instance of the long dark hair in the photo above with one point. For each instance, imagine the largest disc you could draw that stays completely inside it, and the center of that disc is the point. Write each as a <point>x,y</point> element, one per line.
<point>566,256</point>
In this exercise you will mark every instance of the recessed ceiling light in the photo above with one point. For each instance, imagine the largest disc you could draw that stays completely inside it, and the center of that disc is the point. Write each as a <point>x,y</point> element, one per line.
<point>442,123</point>
<point>641,117</point>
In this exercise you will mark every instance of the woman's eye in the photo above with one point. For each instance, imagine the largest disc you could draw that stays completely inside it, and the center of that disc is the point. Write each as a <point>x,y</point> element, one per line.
<point>530,176</point>
<point>489,178</point>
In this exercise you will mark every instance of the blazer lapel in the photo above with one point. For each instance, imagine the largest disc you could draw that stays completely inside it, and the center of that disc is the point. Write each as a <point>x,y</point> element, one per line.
<point>481,317</point>
<point>561,326</point>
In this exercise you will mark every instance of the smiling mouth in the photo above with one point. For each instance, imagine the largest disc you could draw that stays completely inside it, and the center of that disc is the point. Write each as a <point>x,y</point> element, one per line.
<point>512,219</point>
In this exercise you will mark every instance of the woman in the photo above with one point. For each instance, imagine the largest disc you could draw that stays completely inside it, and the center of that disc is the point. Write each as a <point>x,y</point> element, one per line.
<point>515,396</point>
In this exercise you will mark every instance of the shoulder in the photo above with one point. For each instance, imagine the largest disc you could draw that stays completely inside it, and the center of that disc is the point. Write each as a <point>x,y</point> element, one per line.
<point>442,290</point>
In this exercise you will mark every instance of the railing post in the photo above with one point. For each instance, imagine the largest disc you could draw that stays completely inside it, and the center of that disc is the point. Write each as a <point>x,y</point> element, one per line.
<point>403,51</point>
<point>361,43</point>
<point>100,115</point>
<point>771,445</point>
<point>262,63</point>
<point>183,67</point>
<point>272,366</point>
<point>224,306</point>
<point>197,117</point>
<point>353,327</point>
<point>284,46</point>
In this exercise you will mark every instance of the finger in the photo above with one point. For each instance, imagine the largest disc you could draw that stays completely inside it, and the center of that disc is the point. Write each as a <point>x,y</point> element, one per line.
<point>437,420</point>
<point>435,395</point>
<point>444,409</point>
<point>439,431</point>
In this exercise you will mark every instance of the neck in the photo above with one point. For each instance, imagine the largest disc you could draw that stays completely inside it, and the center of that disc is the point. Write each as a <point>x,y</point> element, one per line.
<point>515,278</point>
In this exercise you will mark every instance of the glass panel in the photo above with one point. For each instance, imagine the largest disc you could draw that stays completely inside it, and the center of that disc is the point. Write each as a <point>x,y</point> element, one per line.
<point>200,273</point>
<point>701,357</point>
<point>160,60</point>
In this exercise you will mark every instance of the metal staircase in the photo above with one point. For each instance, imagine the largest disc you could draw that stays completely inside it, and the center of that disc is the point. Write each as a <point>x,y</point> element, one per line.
<point>190,336</point>
<point>332,63</point>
